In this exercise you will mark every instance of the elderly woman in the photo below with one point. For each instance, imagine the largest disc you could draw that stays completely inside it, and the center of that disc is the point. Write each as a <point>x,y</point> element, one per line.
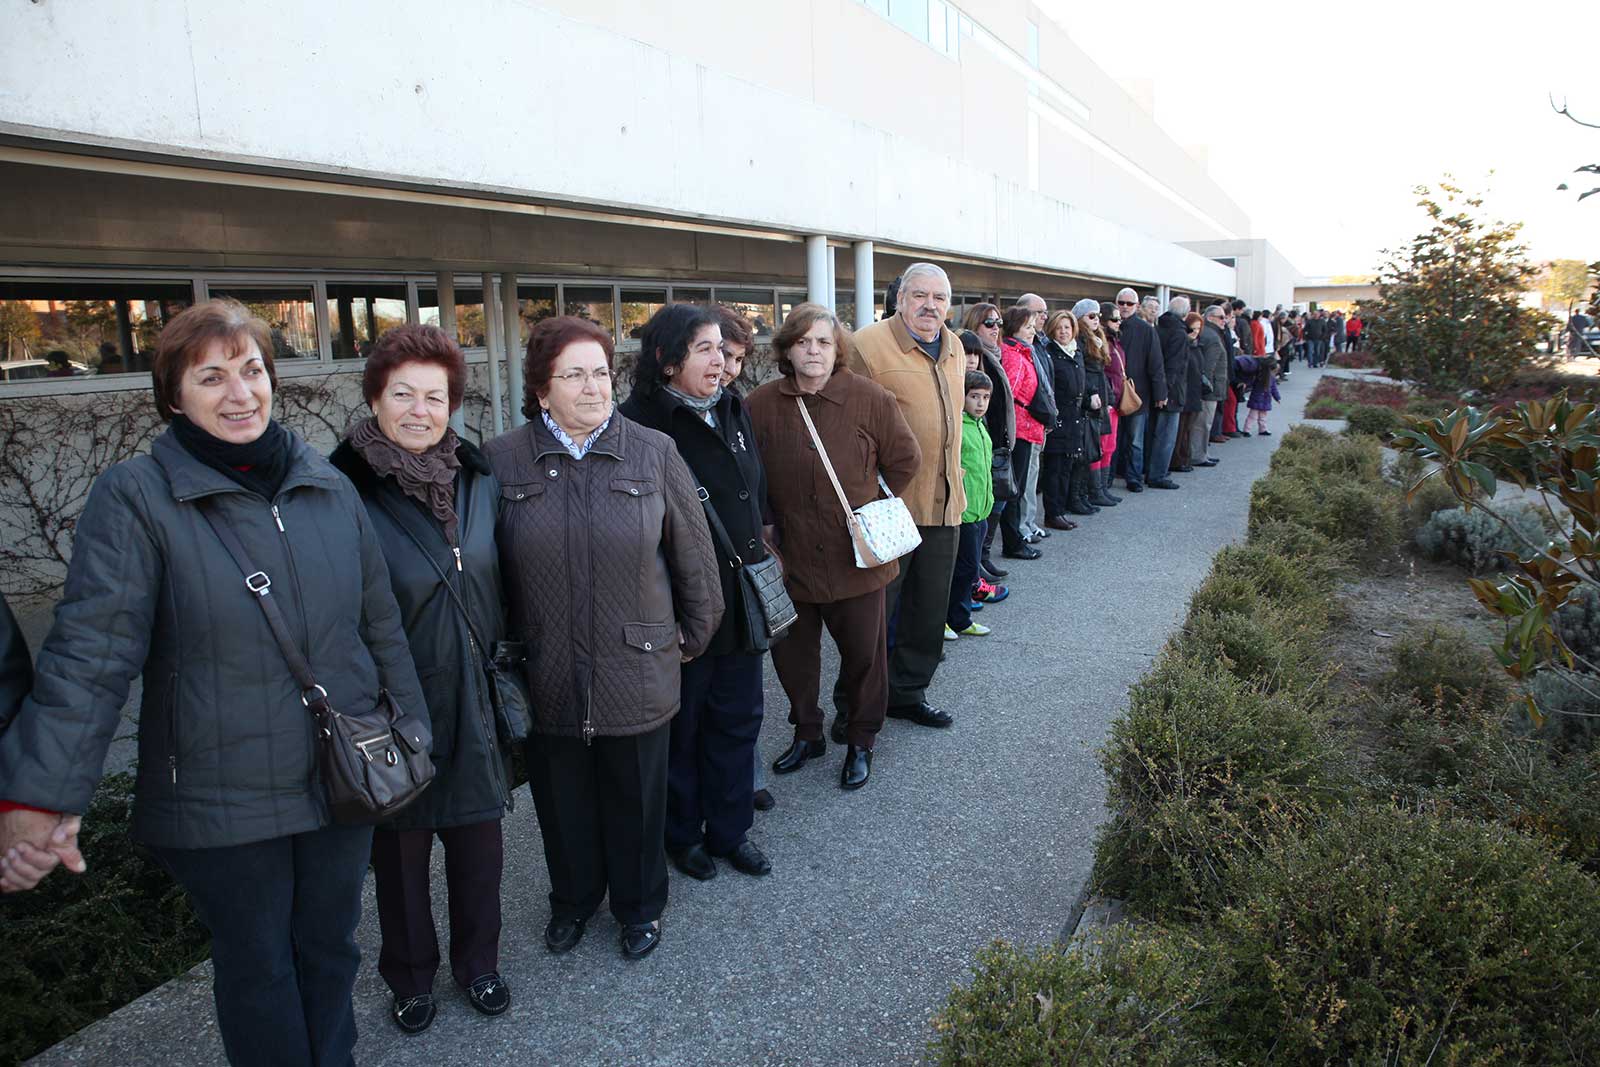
<point>228,794</point>
<point>1065,476</point>
<point>1096,356</point>
<point>864,435</point>
<point>983,322</point>
<point>711,784</point>
<point>1116,380</point>
<point>609,571</point>
<point>1016,358</point>
<point>432,501</point>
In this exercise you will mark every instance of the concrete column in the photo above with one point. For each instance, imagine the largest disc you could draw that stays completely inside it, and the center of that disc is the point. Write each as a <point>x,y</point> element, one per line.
<point>492,329</point>
<point>1164,294</point>
<point>445,283</point>
<point>511,308</point>
<point>866,290</point>
<point>833,280</point>
<point>817,270</point>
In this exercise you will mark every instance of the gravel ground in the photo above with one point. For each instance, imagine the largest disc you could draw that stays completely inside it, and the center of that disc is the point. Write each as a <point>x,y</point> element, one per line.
<point>878,899</point>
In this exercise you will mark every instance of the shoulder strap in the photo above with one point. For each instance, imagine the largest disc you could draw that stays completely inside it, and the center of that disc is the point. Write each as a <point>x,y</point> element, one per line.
<point>444,579</point>
<point>822,453</point>
<point>258,583</point>
<point>719,531</point>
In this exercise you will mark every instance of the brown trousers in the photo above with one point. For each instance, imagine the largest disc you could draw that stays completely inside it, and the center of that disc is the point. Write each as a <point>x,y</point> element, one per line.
<point>859,628</point>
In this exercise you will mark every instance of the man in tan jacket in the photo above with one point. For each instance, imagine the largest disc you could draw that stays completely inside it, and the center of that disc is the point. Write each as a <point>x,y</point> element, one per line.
<point>918,359</point>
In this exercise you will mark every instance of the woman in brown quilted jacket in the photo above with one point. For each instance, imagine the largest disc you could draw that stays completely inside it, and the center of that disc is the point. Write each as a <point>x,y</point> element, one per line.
<point>611,583</point>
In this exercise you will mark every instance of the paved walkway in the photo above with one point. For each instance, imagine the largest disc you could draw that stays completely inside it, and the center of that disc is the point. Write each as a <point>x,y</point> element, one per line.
<point>879,899</point>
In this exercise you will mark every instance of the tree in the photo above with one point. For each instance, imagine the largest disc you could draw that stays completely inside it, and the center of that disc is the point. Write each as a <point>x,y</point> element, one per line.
<point>1449,311</point>
<point>19,326</point>
<point>1565,284</point>
<point>1587,168</point>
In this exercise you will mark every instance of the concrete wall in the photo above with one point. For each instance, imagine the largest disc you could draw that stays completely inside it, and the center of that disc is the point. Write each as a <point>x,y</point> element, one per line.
<point>809,117</point>
<point>1265,278</point>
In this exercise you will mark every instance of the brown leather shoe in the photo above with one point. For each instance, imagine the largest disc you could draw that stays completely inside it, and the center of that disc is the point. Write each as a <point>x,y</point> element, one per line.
<point>1060,522</point>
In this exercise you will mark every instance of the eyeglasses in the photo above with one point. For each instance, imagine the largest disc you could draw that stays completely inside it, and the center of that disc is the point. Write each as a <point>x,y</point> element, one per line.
<point>574,377</point>
<point>1127,303</point>
<point>1092,315</point>
<point>990,322</point>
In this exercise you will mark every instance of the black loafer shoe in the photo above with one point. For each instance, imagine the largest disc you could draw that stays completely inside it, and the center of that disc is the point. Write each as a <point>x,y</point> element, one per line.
<point>923,714</point>
<point>694,861</point>
<point>765,801</point>
<point>748,859</point>
<point>414,1014</point>
<point>992,572</point>
<point>563,935</point>
<point>797,755</point>
<point>1164,483</point>
<point>1185,469</point>
<point>857,768</point>
<point>640,939</point>
<point>839,728</point>
<point>1135,487</point>
<point>490,994</point>
<point>1025,552</point>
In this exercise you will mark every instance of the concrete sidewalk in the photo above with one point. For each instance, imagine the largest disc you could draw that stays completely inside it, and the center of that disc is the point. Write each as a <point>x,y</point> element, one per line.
<point>879,899</point>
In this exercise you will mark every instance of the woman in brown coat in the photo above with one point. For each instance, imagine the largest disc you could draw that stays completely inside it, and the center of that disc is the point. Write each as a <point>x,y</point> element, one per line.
<point>865,435</point>
<point>611,583</point>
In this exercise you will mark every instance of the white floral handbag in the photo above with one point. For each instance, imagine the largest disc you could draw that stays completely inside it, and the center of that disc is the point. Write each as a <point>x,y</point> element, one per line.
<point>880,530</point>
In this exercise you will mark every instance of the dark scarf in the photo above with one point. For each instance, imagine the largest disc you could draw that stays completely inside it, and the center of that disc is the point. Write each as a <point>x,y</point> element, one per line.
<point>260,465</point>
<point>427,477</point>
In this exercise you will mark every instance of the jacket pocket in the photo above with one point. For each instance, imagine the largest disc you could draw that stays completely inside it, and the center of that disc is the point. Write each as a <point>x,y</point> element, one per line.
<point>651,636</point>
<point>511,494</point>
<point>867,448</point>
<point>439,692</point>
<point>636,487</point>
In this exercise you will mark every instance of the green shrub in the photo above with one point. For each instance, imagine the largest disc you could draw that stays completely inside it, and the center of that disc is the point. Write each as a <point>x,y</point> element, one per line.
<point>1578,623</point>
<point>1445,666</point>
<point>1126,1003</point>
<point>1431,497</point>
<point>1202,767</point>
<point>1475,540</point>
<point>1319,555</point>
<point>1325,407</point>
<point>1373,419</point>
<point>1347,458</point>
<point>79,947</point>
<point>1386,937</point>
<point>1272,646</point>
<point>1333,485</point>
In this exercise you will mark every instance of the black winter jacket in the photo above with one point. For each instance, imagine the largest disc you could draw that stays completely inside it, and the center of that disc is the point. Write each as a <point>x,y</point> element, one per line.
<point>1143,354</point>
<point>724,461</point>
<point>1070,434</point>
<point>226,747</point>
<point>1097,383</point>
<point>1173,341</point>
<point>471,783</point>
<point>1193,398</point>
<point>16,666</point>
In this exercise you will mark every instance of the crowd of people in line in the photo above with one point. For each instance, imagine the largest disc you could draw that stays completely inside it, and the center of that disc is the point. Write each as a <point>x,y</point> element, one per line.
<point>594,559</point>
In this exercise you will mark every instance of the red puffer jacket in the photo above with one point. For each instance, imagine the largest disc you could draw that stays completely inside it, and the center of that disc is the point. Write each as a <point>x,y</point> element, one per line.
<point>1017,359</point>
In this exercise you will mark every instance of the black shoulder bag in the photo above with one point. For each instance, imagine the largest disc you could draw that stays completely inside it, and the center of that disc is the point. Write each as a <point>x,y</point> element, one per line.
<point>372,763</point>
<point>768,610</point>
<point>502,663</point>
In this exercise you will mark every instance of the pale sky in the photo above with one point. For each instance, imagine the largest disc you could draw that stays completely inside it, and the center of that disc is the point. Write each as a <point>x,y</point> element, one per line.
<point>1352,104</point>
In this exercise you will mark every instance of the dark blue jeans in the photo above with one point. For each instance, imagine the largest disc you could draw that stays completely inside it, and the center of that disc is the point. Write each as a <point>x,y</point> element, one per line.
<point>282,915</point>
<point>710,782</point>
<point>1163,438</point>
<point>1130,433</point>
<point>959,617</point>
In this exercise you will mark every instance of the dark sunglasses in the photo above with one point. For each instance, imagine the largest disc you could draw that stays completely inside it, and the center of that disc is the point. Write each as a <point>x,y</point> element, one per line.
<point>1127,303</point>
<point>991,322</point>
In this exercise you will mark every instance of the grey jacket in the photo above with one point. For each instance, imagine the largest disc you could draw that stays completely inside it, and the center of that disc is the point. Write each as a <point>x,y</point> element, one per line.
<point>226,748</point>
<point>1213,361</point>
<point>16,666</point>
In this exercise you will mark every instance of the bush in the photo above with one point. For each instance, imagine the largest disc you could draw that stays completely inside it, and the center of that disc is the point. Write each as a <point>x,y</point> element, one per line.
<point>1271,646</point>
<point>1578,623</point>
<point>1125,1004</point>
<point>1373,419</point>
<point>1386,937</point>
<point>1445,666</point>
<point>79,947</point>
<point>1475,540</point>
<point>1202,766</point>
<point>1316,553</point>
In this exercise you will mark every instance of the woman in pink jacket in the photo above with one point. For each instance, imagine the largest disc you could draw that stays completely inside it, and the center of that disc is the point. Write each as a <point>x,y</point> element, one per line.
<point>1016,357</point>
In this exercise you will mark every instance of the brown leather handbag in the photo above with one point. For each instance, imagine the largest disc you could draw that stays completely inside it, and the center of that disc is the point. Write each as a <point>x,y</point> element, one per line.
<point>1130,402</point>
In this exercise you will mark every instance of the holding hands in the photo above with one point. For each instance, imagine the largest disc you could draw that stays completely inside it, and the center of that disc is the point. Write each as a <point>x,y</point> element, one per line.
<point>34,843</point>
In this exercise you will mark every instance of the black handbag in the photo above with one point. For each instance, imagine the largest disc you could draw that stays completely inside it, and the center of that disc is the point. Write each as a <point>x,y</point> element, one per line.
<point>1005,483</point>
<point>502,664</point>
<point>372,763</point>
<point>768,610</point>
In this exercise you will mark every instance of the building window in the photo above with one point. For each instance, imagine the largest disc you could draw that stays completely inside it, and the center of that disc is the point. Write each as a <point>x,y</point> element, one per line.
<point>911,16</point>
<point>537,303</point>
<point>753,304</point>
<point>290,312</point>
<point>102,327</point>
<point>592,302</point>
<point>684,295</point>
<point>787,302</point>
<point>1032,47</point>
<point>361,312</point>
<point>470,329</point>
<point>637,307</point>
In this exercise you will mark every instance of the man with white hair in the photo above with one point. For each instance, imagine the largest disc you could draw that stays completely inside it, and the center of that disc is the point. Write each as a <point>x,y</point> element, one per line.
<point>1173,338</point>
<point>917,358</point>
<point>1145,370</point>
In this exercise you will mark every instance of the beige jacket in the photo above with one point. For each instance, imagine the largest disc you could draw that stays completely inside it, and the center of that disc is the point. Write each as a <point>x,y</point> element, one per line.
<point>930,395</point>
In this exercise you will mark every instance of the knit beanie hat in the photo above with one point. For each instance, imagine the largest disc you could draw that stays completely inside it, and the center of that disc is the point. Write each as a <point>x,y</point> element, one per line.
<point>1084,307</point>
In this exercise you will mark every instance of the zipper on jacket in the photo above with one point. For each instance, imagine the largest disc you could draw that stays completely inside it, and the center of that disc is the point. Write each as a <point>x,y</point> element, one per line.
<point>457,551</point>
<point>172,725</point>
<point>490,734</point>
<point>277,518</point>
<point>305,626</point>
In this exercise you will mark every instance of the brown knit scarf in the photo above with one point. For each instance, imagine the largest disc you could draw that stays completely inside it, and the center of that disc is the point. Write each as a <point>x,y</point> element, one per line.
<point>428,477</point>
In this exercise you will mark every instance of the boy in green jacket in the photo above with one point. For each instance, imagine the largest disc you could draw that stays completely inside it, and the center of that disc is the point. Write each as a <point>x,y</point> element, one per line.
<point>977,458</point>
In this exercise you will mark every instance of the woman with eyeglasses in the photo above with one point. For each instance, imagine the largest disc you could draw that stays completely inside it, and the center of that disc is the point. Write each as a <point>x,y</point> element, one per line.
<point>1096,354</point>
<point>1116,378</point>
<point>611,584</point>
<point>983,321</point>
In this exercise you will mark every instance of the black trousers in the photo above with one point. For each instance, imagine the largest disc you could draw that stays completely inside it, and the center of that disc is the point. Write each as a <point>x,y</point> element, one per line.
<point>916,601</point>
<point>282,915</point>
<point>1055,483</point>
<point>602,811</point>
<point>859,628</point>
<point>958,617</point>
<point>473,858</point>
<point>711,766</point>
<point>1022,454</point>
